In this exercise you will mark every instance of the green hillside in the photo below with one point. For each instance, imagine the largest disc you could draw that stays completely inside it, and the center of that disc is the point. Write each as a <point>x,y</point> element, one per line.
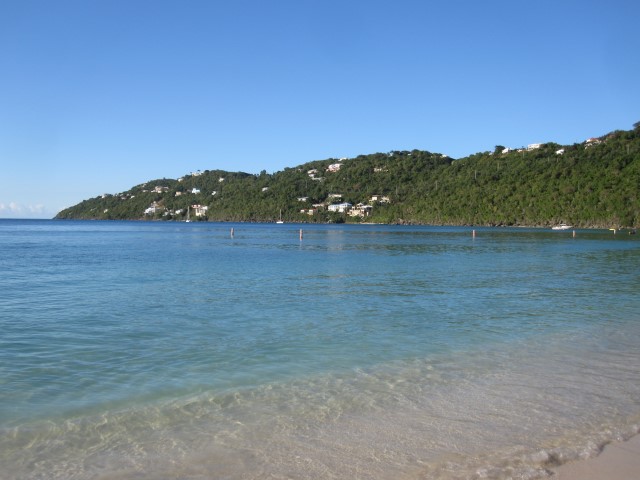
<point>591,184</point>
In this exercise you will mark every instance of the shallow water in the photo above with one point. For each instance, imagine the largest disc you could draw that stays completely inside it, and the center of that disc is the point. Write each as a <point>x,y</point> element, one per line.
<point>166,350</point>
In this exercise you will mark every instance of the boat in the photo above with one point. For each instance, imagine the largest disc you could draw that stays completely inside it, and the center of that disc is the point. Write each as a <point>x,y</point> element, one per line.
<point>562,226</point>
<point>280,219</point>
<point>188,214</point>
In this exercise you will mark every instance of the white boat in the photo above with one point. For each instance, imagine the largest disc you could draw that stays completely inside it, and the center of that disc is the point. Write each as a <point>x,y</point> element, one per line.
<point>188,214</point>
<point>562,226</point>
<point>280,220</point>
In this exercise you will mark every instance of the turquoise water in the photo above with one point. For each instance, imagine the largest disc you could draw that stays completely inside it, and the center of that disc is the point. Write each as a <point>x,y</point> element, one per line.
<point>174,350</point>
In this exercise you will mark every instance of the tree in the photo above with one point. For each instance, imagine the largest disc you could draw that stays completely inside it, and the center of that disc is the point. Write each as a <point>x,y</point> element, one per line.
<point>594,187</point>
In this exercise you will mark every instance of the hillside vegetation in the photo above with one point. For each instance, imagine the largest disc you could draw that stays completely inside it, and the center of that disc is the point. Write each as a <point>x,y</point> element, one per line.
<point>592,184</point>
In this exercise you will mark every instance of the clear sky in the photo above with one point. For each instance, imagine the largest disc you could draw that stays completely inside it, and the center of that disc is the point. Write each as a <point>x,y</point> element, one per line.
<point>99,95</point>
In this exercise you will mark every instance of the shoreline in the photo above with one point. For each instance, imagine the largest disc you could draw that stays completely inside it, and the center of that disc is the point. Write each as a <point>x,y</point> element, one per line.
<point>617,461</point>
<point>627,230</point>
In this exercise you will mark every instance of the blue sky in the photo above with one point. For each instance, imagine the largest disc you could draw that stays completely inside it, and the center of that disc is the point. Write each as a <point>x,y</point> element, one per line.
<point>98,96</point>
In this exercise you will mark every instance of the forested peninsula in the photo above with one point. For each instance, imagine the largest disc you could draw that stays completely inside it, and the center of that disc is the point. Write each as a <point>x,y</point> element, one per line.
<point>593,184</point>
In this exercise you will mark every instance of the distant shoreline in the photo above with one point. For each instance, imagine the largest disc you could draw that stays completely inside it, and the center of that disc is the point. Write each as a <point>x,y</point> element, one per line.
<point>629,230</point>
<point>623,230</point>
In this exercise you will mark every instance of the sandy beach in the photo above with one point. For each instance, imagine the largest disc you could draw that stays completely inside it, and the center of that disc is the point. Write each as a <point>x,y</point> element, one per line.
<point>618,461</point>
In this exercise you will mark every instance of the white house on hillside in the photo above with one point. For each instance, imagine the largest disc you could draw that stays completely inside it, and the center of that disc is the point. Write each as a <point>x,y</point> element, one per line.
<point>200,210</point>
<point>379,198</point>
<point>339,207</point>
<point>153,209</point>
<point>361,210</point>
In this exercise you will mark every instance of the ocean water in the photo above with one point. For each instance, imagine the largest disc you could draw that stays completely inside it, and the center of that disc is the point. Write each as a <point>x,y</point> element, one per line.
<point>178,351</point>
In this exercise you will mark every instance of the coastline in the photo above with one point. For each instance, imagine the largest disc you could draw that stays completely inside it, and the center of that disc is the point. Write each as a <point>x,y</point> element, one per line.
<point>617,461</point>
<point>401,223</point>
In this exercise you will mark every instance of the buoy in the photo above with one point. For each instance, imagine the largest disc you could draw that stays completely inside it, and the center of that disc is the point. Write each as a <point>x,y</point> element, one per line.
<point>300,234</point>
<point>232,233</point>
<point>473,234</point>
<point>574,234</point>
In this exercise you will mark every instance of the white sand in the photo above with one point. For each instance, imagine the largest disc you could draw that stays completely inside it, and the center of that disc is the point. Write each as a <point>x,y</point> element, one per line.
<point>618,461</point>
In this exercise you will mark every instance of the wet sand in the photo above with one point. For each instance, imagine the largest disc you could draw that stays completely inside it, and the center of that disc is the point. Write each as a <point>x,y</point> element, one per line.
<point>618,461</point>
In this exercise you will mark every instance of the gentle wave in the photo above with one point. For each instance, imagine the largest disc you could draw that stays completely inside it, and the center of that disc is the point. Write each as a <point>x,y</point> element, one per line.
<point>478,414</point>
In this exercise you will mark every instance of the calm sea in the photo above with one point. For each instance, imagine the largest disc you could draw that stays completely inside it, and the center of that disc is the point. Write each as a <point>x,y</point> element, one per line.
<point>176,350</point>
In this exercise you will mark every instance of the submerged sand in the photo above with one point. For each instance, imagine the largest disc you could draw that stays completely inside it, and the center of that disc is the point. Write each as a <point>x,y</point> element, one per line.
<point>618,461</point>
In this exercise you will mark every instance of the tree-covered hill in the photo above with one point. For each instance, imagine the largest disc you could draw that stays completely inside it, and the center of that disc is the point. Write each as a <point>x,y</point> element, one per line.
<point>591,184</point>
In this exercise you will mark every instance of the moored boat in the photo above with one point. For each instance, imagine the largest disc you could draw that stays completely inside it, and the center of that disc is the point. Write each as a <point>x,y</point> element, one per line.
<point>562,226</point>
